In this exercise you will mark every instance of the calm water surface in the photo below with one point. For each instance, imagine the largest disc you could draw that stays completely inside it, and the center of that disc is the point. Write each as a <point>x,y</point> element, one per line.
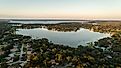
<point>73,39</point>
<point>43,22</point>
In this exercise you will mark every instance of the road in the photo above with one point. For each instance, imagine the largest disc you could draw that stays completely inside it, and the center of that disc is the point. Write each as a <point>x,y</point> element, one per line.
<point>21,53</point>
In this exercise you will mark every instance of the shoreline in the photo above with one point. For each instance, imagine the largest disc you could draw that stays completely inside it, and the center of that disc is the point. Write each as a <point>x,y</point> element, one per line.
<point>47,54</point>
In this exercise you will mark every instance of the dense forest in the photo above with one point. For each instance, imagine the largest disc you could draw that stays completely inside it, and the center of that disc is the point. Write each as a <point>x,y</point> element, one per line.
<point>42,53</point>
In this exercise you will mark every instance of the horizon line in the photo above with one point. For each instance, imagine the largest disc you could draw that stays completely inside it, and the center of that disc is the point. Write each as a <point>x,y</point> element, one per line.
<point>63,18</point>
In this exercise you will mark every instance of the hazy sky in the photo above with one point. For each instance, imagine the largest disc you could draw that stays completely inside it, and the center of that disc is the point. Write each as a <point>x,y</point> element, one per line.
<point>88,9</point>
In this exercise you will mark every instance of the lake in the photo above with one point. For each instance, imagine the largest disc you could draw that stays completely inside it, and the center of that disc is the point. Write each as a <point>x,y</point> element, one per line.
<point>44,22</point>
<point>73,39</point>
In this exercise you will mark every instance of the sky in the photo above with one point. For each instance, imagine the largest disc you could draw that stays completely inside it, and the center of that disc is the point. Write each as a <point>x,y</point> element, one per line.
<point>82,9</point>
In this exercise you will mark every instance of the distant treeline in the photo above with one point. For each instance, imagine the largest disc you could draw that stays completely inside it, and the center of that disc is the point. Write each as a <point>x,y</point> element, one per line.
<point>4,26</point>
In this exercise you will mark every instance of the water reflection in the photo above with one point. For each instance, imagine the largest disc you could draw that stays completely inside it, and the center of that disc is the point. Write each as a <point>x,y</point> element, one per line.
<point>73,39</point>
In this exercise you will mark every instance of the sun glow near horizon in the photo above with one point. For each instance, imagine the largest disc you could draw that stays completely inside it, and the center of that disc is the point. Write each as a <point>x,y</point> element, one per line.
<point>86,9</point>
